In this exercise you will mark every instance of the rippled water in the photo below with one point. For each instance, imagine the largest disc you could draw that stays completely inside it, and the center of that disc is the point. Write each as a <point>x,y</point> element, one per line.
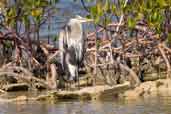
<point>159,105</point>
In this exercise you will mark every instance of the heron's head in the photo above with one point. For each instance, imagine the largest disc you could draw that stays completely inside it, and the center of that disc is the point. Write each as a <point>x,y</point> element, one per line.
<point>79,19</point>
<point>75,28</point>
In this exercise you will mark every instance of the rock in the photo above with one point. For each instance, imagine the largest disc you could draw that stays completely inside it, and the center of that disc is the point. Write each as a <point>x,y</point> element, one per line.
<point>52,77</point>
<point>150,89</point>
<point>159,83</point>
<point>87,93</point>
<point>19,98</point>
<point>165,88</point>
<point>134,94</point>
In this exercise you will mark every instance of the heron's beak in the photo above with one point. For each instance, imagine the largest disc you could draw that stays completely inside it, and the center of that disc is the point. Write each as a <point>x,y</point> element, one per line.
<point>84,20</point>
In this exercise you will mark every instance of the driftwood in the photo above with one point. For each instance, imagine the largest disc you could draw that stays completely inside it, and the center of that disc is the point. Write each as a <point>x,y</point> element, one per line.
<point>16,68</point>
<point>28,78</point>
<point>166,60</point>
<point>17,99</point>
<point>132,73</point>
<point>2,91</point>
<point>52,77</point>
<point>88,93</point>
<point>16,87</point>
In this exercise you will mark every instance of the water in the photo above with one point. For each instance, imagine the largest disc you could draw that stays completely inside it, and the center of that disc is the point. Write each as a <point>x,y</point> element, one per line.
<point>159,105</point>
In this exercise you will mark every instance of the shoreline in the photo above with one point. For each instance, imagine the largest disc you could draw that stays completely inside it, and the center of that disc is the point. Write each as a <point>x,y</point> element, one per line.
<point>124,91</point>
<point>149,89</point>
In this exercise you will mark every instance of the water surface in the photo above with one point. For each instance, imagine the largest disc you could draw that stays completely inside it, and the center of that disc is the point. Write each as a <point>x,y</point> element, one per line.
<point>159,105</point>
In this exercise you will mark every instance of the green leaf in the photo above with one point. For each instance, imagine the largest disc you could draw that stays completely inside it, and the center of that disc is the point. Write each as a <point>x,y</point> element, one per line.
<point>98,44</point>
<point>139,16</point>
<point>37,3</point>
<point>149,4</point>
<point>55,38</point>
<point>7,44</point>
<point>25,20</point>
<point>108,21</point>
<point>107,6</point>
<point>55,1</point>
<point>93,10</point>
<point>131,23</point>
<point>154,17</point>
<point>99,9</point>
<point>113,8</point>
<point>97,19</point>
<point>162,3</point>
<point>88,16</point>
<point>37,12</point>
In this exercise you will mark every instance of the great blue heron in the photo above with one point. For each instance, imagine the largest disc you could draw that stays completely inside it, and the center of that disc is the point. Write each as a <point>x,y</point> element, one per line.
<point>72,46</point>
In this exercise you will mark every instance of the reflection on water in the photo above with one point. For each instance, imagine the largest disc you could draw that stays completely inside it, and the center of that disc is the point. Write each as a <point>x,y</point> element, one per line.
<point>159,105</point>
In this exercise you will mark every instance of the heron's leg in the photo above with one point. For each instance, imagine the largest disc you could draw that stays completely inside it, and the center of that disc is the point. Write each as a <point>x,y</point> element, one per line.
<point>77,78</point>
<point>77,82</point>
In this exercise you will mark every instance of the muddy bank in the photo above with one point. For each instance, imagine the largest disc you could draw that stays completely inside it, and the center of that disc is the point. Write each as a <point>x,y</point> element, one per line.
<point>86,93</point>
<point>150,89</point>
<point>147,89</point>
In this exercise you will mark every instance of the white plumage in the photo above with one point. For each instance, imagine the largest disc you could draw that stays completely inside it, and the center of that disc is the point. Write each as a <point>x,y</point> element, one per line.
<point>71,45</point>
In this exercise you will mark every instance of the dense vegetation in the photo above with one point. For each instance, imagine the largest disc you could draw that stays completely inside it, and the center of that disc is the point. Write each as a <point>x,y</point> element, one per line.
<point>142,29</point>
<point>131,37</point>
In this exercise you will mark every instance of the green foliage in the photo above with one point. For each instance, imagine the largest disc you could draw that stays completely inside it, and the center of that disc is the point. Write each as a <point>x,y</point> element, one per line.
<point>10,15</point>
<point>7,44</point>
<point>100,10</point>
<point>131,22</point>
<point>22,10</point>
<point>55,38</point>
<point>98,44</point>
<point>150,11</point>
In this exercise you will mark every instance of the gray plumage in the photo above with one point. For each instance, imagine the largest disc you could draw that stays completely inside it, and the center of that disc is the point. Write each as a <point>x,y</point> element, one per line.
<point>72,46</point>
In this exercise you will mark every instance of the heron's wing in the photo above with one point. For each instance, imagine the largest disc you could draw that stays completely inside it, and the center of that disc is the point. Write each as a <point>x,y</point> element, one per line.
<point>62,41</point>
